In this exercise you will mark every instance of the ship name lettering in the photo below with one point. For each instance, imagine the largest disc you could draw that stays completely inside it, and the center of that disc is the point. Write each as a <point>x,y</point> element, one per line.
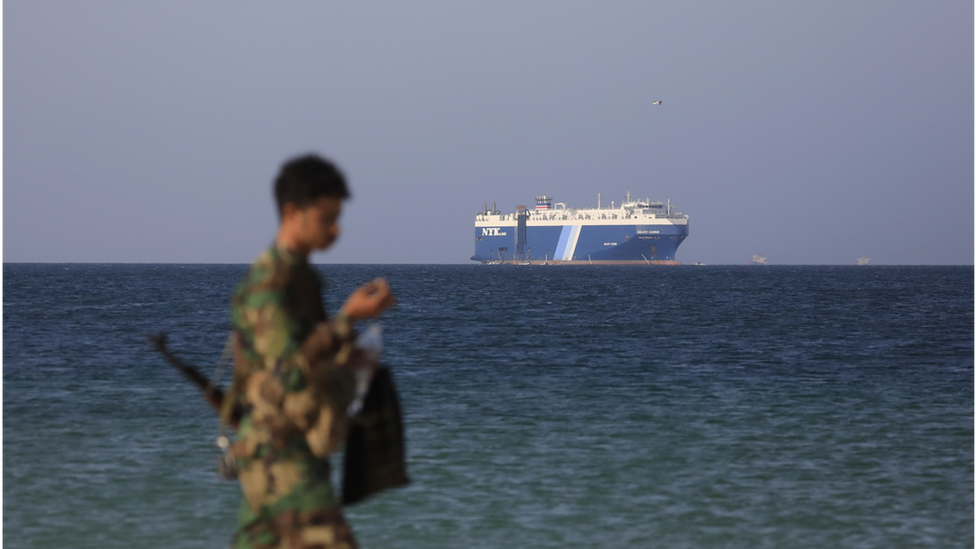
<point>648,232</point>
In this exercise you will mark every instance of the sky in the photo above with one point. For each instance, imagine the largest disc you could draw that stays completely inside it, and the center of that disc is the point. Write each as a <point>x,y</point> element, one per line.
<point>808,132</point>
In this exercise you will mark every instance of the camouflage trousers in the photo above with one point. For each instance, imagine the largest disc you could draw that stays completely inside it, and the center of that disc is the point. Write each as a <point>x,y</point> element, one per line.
<point>294,529</point>
<point>289,504</point>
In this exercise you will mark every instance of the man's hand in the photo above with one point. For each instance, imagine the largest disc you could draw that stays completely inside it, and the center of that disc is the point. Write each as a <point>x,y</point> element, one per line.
<point>369,300</point>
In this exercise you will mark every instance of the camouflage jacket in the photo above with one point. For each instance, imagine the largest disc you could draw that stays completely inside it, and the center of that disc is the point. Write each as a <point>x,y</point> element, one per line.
<point>286,370</point>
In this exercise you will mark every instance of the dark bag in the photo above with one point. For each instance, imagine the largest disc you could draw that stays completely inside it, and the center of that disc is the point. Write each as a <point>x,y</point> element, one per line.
<point>375,453</point>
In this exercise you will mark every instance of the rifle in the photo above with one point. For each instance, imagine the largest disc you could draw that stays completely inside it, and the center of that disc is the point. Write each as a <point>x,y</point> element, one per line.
<point>375,452</point>
<point>211,392</point>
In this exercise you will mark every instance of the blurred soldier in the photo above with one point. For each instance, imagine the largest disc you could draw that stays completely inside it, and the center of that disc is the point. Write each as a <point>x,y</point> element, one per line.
<point>288,373</point>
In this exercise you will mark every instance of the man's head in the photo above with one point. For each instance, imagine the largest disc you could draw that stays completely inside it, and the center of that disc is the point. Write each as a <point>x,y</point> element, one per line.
<point>304,179</point>
<point>309,192</point>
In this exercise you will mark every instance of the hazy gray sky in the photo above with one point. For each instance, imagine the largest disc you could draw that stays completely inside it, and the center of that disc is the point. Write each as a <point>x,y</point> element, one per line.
<point>810,132</point>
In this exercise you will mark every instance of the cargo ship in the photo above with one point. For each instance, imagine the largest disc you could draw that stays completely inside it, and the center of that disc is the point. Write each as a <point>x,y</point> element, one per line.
<point>637,232</point>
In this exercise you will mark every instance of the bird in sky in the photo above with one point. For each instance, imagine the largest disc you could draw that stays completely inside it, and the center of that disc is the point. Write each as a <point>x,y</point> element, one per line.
<point>657,102</point>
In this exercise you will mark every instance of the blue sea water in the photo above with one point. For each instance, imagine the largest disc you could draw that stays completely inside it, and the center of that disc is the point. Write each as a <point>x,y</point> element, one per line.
<point>569,406</point>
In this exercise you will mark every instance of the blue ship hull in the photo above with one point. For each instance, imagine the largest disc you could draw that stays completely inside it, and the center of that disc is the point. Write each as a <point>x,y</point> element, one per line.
<point>583,243</point>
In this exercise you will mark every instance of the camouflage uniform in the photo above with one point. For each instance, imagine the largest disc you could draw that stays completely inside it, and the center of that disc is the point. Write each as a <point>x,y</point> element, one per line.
<point>294,398</point>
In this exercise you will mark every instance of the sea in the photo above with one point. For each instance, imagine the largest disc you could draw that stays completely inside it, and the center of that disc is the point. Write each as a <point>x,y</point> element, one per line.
<point>544,406</point>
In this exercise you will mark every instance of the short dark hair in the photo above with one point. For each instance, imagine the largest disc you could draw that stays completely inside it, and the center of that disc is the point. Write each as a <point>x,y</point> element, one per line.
<point>305,179</point>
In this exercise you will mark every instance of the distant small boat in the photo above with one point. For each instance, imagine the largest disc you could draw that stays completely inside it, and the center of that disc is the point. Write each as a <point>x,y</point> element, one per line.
<point>863,260</point>
<point>758,260</point>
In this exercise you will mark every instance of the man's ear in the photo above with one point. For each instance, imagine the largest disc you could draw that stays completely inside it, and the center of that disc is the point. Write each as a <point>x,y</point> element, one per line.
<point>288,210</point>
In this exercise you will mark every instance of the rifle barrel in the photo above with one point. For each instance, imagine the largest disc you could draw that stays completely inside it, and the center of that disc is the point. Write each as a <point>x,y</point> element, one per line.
<point>213,394</point>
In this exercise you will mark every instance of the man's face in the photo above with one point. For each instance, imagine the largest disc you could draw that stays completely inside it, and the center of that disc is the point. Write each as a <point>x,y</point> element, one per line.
<point>318,223</point>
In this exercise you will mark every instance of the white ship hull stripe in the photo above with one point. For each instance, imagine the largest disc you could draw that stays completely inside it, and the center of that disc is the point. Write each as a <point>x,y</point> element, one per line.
<point>573,238</point>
